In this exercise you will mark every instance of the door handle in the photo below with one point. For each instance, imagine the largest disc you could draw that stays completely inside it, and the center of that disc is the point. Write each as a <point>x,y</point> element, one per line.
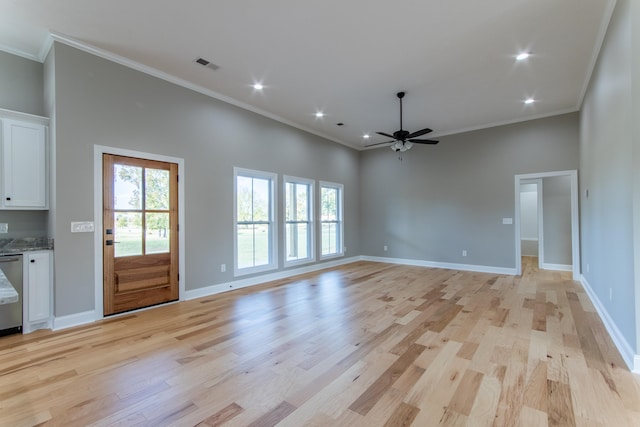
<point>110,242</point>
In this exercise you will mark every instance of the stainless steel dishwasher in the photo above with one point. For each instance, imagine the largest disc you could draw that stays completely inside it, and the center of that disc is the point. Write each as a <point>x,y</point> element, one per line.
<point>11,314</point>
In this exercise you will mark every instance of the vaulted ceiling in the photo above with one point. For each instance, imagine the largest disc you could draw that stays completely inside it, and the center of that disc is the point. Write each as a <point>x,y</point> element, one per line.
<point>455,59</point>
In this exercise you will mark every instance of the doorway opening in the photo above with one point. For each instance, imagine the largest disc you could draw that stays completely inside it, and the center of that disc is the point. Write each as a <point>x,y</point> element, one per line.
<point>557,220</point>
<point>531,226</point>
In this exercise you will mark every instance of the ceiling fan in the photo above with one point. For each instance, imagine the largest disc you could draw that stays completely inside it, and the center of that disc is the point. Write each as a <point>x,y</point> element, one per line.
<point>403,139</point>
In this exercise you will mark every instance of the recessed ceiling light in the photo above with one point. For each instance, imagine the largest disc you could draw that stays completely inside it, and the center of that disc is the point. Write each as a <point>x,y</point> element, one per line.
<point>319,114</point>
<point>523,56</point>
<point>258,86</point>
<point>529,101</point>
<point>365,136</point>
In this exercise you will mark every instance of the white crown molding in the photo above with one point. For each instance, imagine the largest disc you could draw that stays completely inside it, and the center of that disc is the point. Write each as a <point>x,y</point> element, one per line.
<point>16,52</point>
<point>105,54</point>
<point>489,125</point>
<point>602,33</point>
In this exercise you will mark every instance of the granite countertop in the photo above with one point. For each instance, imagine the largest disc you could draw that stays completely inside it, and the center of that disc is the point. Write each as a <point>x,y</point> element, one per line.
<point>8,294</point>
<point>24,244</point>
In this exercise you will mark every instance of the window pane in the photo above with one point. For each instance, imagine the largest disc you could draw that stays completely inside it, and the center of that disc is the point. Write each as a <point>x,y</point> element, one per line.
<point>329,238</point>
<point>261,244</point>
<point>156,189</point>
<point>302,202</point>
<point>128,234</point>
<point>297,241</point>
<point>253,245</point>
<point>157,233</point>
<point>329,201</point>
<point>244,196</point>
<point>261,200</point>
<point>127,187</point>
<point>289,202</point>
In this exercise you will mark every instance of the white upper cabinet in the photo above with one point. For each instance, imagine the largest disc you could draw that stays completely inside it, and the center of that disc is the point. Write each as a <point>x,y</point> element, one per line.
<point>24,165</point>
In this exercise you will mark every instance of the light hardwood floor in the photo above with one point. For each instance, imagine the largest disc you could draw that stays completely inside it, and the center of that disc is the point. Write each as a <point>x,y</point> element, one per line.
<point>367,344</point>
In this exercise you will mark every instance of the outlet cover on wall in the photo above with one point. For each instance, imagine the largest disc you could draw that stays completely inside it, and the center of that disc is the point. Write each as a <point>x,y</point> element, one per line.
<point>82,227</point>
<point>4,227</point>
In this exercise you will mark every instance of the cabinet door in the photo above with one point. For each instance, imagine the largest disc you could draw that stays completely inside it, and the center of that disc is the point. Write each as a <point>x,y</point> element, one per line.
<point>24,153</point>
<point>39,287</point>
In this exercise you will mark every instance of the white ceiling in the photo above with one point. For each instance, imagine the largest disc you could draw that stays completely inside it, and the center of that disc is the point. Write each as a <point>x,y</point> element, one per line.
<point>455,59</point>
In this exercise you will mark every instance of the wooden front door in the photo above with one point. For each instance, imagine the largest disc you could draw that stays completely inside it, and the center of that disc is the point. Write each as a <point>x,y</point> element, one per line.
<point>140,236</point>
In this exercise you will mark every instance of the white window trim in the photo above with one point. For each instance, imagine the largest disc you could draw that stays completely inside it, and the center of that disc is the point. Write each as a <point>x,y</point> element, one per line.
<point>273,239</point>
<point>312,230</point>
<point>340,244</point>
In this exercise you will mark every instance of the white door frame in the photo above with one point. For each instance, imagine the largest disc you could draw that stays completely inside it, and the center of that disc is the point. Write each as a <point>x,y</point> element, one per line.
<point>575,231</point>
<point>98,151</point>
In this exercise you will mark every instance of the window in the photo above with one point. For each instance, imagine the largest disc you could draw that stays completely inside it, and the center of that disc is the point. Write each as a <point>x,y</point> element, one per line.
<point>255,225</point>
<point>298,219</point>
<point>331,219</point>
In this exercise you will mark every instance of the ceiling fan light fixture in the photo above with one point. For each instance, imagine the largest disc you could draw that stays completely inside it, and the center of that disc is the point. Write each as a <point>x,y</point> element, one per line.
<point>408,145</point>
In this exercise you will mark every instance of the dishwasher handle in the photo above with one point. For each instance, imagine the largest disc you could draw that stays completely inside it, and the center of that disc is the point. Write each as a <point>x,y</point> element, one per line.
<point>2,259</point>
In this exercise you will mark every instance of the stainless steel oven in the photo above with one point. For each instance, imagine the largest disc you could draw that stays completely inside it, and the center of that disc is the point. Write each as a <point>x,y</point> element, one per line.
<point>11,314</point>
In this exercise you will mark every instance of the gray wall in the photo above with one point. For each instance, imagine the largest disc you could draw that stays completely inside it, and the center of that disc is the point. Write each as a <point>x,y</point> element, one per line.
<point>20,84</point>
<point>609,154</point>
<point>452,196</point>
<point>556,208</point>
<point>100,102</point>
<point>21,90</point>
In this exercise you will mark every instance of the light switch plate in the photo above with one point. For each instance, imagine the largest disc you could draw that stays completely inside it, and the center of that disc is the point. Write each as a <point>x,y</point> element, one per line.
<point>4,227</point>
<point>82,227</point>
<point>507,221</point>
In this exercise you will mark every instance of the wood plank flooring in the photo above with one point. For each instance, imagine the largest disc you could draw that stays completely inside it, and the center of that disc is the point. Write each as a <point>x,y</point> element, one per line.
<point>366,344</point>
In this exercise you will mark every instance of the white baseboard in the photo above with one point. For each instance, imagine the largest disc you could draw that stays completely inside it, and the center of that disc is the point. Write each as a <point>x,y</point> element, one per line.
<point>445,265</point>
<point>71,320</point>
<point>257,280</point>
<point>626,350</point>
<point>556,267</point>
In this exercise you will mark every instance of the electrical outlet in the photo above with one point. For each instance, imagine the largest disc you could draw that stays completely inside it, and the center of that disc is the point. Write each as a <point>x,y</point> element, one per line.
<point>610,294</point>
<point>464,252</point>
<point>223,268</point>
<point>587,267</point>
<point>385,248</point>
<point>4,227</point>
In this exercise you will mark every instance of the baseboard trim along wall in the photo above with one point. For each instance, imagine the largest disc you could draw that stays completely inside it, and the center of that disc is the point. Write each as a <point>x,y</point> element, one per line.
<point>445,265</point>
<point>556,267</point>
<point>71,320</point>
<point>626,350</point>
<point>257,280</point>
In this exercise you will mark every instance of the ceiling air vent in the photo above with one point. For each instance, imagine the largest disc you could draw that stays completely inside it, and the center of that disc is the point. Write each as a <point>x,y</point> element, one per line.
<point>206,63</point>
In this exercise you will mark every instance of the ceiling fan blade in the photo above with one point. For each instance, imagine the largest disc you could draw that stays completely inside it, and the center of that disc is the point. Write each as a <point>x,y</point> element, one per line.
<point>419,133</point>
<point>386,134</point>
<point>424,141</point>
<point>378,143</point>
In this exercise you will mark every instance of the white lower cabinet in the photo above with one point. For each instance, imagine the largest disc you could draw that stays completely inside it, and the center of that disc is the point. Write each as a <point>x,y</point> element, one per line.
<point>37,308</point>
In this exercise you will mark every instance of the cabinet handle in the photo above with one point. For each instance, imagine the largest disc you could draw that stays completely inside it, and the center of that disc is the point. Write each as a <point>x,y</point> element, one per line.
<point>33,260</point>
<point>8,198</point>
